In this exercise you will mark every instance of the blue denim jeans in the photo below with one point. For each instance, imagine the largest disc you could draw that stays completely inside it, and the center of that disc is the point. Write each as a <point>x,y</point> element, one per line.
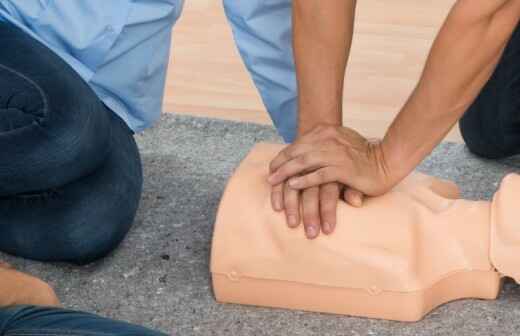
<point>491,126</point>
<point>39,321</point>
<point>70,171</point>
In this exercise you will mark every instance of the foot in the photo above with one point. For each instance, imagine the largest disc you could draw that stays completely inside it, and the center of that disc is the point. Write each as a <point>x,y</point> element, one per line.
<point>3,264</point>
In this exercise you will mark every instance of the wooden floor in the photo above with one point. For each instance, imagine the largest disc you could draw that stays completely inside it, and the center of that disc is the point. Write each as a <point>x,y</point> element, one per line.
<point>392,39</point>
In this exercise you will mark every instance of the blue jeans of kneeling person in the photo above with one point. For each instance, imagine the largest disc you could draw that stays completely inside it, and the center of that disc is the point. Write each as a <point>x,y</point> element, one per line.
<point>41,321</point>
<point>70,171</point>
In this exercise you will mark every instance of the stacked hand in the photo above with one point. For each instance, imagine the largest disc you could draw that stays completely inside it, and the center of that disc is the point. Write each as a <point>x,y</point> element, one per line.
<point>321,165</point>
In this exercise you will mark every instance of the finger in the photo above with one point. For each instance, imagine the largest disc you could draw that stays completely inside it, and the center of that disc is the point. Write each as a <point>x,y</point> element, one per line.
<point>316,178</point>
<point>277,197</point>
<point>280,158</point>
<point>301,164</point>
<point>291,199</point>
<point>353,197</point>
<point>311,212</point>
<point>287,154</point>
<point>329,197</point>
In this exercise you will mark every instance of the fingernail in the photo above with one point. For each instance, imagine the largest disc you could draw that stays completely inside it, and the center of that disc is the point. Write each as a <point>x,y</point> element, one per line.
<point>294,182</point>
<point>311,231</point>
<point>326,227</point>
<point>292,220</point>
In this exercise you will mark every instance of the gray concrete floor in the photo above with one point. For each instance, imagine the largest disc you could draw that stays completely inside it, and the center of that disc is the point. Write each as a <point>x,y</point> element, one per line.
<point>159,276</point>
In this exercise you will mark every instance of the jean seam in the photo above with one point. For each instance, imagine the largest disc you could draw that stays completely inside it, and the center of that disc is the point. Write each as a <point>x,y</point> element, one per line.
<point>43,96</point>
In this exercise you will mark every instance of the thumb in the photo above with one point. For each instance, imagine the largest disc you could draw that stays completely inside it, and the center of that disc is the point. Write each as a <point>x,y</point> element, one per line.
<point>353,197</point>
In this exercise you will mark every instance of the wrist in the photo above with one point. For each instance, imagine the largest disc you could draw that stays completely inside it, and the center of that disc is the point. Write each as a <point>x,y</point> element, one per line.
<point>394,162</point>
<point>310,119</point>
<point>386,176</point>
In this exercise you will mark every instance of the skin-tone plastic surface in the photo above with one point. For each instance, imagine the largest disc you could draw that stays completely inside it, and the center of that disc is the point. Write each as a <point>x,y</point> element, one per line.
<point>397,257</point>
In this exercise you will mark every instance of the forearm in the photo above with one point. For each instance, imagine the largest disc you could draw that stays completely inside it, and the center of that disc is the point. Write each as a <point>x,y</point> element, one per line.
<point>322,36</point>
<point>462,59</point>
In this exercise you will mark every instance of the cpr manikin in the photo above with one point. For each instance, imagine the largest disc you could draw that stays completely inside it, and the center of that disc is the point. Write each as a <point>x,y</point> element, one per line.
<point>398,257</point>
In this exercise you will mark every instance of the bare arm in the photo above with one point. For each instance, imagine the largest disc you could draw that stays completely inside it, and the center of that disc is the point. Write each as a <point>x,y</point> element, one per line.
<point>322,39</point>
<point>461,61</point>
<point>322,35</point>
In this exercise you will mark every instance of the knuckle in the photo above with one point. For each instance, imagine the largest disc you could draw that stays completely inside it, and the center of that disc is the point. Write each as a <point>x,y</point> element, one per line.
<point>322,174</point>
<point>329,198</point>
<point>329,207</point>
<point>286,189</point>
<point>291,212</point>
<point>282,172</point>
<point>332,187</point>
<point>272,166</point>
<point>330,132</point>
<point>311,202</point>
<point>284,154</point>
<point>291,206</point>
<point>335,143</point>
<point>319,128</point>
<point>314,221</point>
<point>328,215</point>
<point>303,160</point>
<point>308,202</point>
<point>289,153</point>
<point>312,216</point>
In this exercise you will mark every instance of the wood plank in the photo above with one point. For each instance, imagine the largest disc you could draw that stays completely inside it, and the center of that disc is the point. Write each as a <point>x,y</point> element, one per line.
<point>206,76</point>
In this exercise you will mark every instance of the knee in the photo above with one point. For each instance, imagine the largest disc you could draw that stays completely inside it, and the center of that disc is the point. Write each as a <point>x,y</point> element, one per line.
<point>482,138</point>
<point>474,141</point>
<point>89,245</point>
<point>80,228</point>
<point>106,206</point>
<point>92,239</point>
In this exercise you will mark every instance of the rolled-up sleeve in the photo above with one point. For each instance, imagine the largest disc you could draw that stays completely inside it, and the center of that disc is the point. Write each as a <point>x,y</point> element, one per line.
<point>263,33</point>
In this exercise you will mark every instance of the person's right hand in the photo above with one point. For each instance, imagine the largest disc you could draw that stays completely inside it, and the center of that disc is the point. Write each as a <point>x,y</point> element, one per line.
<point>315,207</point>
<point>17,288</point>
<point>331,154</point>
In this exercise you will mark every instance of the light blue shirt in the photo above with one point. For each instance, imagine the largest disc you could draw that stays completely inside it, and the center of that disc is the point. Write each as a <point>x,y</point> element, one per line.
<point>121,49</point>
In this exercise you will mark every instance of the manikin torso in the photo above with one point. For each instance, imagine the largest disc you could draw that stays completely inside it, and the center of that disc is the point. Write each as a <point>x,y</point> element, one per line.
<point>397,257</point>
